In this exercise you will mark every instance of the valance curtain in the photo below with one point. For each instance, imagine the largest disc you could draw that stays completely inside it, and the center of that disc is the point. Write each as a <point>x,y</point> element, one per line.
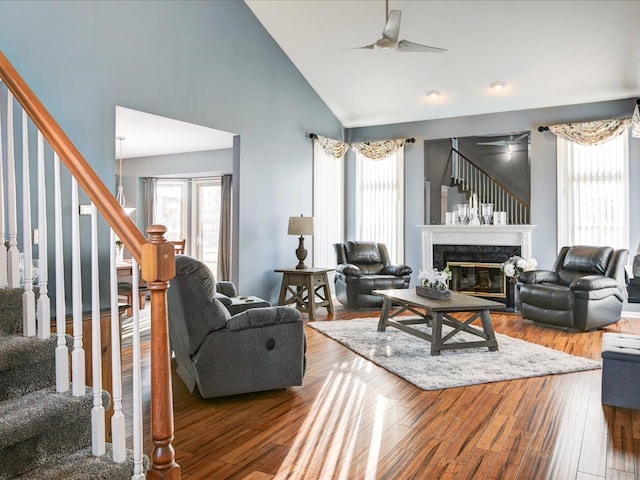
<point>378,150</point>
<point>591,133</point>
<point>331,147</point>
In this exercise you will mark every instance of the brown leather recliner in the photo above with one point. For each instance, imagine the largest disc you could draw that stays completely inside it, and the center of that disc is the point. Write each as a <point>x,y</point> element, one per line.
<point>363,267</point>
<point>585,290</point>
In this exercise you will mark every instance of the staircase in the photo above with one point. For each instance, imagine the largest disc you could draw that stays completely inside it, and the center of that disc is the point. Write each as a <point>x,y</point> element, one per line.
<point>43,434</point>
<point>51,428</point>
<point>472,179</point>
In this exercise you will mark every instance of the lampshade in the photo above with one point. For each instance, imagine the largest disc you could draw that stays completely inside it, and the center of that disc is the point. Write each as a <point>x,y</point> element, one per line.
<point>300,225</point>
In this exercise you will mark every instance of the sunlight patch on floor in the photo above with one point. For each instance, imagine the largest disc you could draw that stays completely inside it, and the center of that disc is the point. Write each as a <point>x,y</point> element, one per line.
<point>330,431</point>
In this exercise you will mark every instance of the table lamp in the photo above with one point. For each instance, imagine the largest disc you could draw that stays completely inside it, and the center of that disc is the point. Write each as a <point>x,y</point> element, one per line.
<point>301,226</point>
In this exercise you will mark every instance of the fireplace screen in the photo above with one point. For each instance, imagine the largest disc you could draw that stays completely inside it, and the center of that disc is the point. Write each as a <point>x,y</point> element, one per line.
<point>480,279</point>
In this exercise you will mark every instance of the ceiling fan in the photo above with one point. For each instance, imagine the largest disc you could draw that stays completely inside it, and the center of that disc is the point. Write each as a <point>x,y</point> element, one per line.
<point>505,143</point>
<point>389,40</point>
<point>511,144</point>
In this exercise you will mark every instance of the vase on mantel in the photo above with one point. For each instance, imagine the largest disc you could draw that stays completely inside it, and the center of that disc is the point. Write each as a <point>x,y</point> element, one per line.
<point>433,293</point>
<point>516,297</point>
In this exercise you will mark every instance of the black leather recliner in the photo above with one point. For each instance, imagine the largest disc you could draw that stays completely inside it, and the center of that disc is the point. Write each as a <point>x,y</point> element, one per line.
<point>363,267</point>
<point>585,290</point>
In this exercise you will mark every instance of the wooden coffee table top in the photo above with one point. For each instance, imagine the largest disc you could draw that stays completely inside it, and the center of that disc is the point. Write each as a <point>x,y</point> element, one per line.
<point>457,303</point>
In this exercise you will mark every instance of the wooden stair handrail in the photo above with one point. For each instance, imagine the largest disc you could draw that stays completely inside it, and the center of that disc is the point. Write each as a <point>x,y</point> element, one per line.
<point>91,184</point>
<point>156,259</point>
<point>492,178</point>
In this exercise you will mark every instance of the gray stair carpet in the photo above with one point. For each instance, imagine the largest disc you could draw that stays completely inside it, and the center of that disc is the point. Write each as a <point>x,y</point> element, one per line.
<point>44,434</point>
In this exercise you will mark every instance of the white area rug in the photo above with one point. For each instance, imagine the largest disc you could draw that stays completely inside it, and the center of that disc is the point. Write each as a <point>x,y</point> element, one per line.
<point>409,356</point>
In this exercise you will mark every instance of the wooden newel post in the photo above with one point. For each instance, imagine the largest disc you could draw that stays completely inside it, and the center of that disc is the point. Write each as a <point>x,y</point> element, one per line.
<point>158,267</point>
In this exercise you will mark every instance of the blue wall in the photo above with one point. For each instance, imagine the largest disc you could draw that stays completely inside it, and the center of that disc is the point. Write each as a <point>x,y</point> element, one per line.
<point>212,64</point>
<point>208,63</point>
<point>543,167</point>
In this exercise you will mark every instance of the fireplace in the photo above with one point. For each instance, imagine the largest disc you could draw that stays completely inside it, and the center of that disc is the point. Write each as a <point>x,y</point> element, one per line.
<point>476,269</point>
<point>479,279</point>
<point>474,253</point>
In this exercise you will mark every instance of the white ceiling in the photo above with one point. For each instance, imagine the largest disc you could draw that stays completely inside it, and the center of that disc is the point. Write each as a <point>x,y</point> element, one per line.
<point>147,135</point>
<point>547,52</point>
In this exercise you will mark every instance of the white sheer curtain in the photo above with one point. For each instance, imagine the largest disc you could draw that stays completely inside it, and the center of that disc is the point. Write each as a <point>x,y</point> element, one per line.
<point>593,186</point>
<point>328,204</point>
<point>380,201</point>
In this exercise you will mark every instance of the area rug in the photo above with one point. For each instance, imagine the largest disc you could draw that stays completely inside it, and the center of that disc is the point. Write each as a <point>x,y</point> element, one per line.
<point>409,356</point>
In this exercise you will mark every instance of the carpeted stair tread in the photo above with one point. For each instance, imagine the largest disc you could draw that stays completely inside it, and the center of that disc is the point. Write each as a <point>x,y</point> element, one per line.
<point>40,409</point>
<point>11,311</point>
<point>36,348</point>
<point>26,364</point>
<point>38,425</point>
<point>82,465</point>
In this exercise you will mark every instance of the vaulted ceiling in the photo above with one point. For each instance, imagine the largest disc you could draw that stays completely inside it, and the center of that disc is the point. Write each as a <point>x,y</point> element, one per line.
<point>546,52</point>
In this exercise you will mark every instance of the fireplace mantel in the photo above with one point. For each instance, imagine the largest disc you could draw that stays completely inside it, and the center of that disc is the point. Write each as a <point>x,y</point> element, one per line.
<point>505,235</point>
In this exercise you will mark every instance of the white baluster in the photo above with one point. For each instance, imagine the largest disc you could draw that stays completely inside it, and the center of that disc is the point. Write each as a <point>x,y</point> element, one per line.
<point>118,428</point>
<point>13,255</point>
<point>97,412</point>
<point>3,251</point>
<point>137,382</point>
<point>62,351</point>
<point>77,356</point>
<point>28,297</point>
<point>44,303</point>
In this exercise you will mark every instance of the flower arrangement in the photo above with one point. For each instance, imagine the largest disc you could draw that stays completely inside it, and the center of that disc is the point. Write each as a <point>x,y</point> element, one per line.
<point>515,265</point>
<point>434,278</point>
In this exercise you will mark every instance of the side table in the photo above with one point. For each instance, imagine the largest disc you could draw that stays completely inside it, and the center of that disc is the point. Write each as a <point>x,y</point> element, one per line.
<point>308,289</point>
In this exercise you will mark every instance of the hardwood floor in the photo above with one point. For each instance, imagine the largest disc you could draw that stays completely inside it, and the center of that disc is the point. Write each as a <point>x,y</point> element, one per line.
<point>354,420</point>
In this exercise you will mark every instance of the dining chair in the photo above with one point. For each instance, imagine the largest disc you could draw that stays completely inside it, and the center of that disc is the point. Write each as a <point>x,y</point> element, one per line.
<point>179,245</point>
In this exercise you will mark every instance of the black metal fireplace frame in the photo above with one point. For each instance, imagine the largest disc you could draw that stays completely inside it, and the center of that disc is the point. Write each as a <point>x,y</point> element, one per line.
<point>480,254</point>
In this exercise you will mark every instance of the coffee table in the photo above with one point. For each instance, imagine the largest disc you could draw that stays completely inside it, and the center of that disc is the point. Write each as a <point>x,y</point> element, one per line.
<point>437,312</point>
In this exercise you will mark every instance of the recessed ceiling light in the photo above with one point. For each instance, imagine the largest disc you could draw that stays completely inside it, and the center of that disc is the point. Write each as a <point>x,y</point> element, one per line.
<point>497,86</point>
<point>433,94</point>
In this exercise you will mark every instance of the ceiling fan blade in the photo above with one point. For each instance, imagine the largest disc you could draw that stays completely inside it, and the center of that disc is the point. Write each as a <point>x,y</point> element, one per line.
<point>392,28</point>
<point>366,47</point>
<point>407,46</point>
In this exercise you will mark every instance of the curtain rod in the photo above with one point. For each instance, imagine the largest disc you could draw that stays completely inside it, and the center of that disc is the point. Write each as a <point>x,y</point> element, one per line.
<point>408,140</point>
<point>545,129</point>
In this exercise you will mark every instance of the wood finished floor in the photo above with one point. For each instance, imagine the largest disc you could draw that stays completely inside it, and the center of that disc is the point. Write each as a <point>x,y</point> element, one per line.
<point>354,420</point>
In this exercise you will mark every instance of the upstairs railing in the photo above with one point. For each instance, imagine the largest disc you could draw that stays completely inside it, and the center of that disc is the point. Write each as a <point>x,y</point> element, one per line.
<point>473,179</point>
<point>155,257</point>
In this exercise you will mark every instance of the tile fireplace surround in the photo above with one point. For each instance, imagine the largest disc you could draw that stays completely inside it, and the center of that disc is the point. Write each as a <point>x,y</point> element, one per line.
<point>475,243</point>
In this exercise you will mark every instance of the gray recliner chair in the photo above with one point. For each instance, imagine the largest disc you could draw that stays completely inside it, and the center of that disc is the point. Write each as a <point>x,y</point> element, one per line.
<point>256,350</point>
<point>363,267</point>
<point>585,290</point>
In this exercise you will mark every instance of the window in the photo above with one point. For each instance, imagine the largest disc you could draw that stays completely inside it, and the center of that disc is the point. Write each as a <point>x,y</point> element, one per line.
<point>380,202</point>
<point>328,205</point>
<point>593,206</point>
<point>171,208</point>
<point>206,199</point>
<point>190,209</point>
